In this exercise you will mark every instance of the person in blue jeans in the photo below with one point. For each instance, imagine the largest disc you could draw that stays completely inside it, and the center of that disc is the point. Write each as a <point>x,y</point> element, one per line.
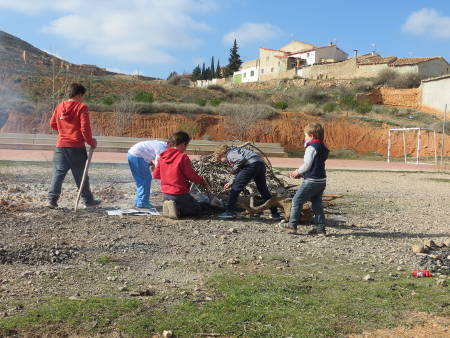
<point>143,157</point>
<point>315,180</point>
<point>246,165</point>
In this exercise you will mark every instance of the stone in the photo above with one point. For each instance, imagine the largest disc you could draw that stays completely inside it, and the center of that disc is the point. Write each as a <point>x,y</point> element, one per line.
<point>232,231</point>
<point>430,243</point>
<point>367,278</point>
<point>399,268</point>
<point>167,334</point>
<point>418,249</point>
<point>232,261</point>
<point>441,282</point>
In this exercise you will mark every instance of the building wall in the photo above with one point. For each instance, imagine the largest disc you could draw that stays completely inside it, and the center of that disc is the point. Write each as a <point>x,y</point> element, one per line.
<point>310,57</point>
<point>296,46</point>
<point>250,74</point>
<point>370,70</point>
<point>270,66</point>
<point>436,93</point>
<point>338,70</point>
<point>406,69</point>
<point>330,52</point>
<point>434,68</point>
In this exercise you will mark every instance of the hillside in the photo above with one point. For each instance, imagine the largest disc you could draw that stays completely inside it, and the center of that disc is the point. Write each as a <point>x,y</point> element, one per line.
<point>21,58</point>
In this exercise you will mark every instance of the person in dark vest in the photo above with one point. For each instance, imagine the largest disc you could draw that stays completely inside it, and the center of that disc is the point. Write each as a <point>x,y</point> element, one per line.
<point>315,181</point>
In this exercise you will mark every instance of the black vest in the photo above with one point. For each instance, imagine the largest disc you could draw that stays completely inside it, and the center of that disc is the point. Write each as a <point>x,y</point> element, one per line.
<point>317,170</point>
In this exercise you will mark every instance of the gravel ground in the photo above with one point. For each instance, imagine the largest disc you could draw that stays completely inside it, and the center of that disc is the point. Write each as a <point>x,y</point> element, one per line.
<point>57,252</point>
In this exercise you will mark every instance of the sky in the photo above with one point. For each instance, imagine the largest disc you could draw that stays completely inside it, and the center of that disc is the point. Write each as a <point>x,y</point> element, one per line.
<point>156,37</point>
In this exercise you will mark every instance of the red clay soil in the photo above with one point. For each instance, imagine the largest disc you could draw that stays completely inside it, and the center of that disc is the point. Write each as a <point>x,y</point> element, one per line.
<point>286,128</point>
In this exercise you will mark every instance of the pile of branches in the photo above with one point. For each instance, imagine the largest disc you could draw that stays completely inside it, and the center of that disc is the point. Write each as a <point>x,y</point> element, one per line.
<point>217,174</point>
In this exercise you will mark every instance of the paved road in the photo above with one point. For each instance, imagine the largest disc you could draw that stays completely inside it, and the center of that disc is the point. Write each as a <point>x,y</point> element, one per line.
<point>279,162</point>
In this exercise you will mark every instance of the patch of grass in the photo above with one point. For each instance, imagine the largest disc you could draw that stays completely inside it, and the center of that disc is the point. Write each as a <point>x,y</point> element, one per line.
<point>103,260</point>
<point>280,306</point>
<point>144,97</point>
<point>257,305</point>
<point>75,314</point>
<point>215,101</point>
<point>280,105</point>
<point>349,154</point>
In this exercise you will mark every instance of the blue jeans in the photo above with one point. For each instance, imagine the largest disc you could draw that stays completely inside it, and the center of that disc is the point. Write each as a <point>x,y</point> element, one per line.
<point>309,191</point>
<point>142,177</point>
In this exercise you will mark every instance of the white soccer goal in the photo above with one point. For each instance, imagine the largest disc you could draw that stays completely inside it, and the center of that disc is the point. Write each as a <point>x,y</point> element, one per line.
<point>419,134</point>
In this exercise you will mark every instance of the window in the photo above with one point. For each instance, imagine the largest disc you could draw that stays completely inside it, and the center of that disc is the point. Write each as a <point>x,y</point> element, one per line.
<point>262,70</point>
<point>271,70</point>
<point>252,73</point>
<point>307,55</point>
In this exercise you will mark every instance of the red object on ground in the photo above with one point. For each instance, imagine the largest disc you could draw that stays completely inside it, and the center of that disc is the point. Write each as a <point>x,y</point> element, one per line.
<point>421,273</point>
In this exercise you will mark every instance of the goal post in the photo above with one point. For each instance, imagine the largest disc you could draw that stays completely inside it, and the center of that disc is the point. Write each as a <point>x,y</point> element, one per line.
<point>418,130</point>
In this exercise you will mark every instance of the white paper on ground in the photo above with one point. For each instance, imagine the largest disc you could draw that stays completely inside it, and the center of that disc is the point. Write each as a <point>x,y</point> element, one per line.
<point>133,212</point>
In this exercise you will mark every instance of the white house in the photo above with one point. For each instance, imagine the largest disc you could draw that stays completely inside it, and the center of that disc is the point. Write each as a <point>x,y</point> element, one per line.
<point>249,72</point>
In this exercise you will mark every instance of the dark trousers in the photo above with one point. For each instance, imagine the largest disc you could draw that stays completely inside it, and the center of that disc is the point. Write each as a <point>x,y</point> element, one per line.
<point>63,160</point>
<point>187,205</point>
<point>255,171</point>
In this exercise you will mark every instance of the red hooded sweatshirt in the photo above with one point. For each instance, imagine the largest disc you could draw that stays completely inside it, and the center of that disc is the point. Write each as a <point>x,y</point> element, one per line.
<point>174,169</point>
<point>71,120</point>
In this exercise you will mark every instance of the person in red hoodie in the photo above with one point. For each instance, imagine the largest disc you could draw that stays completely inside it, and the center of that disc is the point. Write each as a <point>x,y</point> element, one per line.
<point>175,171</point>
<point>71,121</point>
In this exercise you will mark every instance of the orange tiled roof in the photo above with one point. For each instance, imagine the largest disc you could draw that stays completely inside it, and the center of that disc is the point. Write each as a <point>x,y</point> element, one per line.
<point>411,61</point>
<point>375,59</point>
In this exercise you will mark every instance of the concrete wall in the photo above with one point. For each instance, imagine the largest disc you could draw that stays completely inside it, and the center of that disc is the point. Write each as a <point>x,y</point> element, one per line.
<point>270,66</point>
<point>434,68</point>
<point>250,74</point>
<point>369,70</point>
<point>338,70</point>
<point>436,93</point>
<point>206,83</point>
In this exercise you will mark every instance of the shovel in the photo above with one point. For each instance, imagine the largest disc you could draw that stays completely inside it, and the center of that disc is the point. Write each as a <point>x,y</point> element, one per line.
<point>85,172</point>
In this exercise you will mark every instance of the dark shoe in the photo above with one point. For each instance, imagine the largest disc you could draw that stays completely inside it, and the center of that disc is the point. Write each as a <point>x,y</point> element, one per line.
<point>288,226</point>
<point>275,216</point>
<point>170,210</point>
<point>52,204</point>
<point>315,232</point>
<point>227,215</point>
<point>92,203</point>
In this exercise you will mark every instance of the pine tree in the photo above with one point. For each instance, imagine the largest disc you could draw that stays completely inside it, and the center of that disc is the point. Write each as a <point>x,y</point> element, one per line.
<point>218,71</point>
<point>234,61</point>
<point>196,73</point>
<point>212,73</point>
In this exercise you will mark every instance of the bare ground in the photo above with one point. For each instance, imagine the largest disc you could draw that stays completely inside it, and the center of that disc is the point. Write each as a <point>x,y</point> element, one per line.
<point>57,252</point>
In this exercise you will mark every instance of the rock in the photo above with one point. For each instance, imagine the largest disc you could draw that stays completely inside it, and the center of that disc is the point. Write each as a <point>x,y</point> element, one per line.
<point>232,261</point>
<point>418,249</point>
<point>123,288</point>
<point>73,298</point>
<point>441,282</point>
<point>430,244</point>
<point>367,278</point>
<point>208,299</point>
<point>399,268</point>
<point>142,293</point>
<point>232,231</point>
<point>167,334</point>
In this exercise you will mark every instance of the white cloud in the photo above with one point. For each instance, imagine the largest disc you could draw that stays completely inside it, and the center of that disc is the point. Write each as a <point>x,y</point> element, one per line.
<point>133,30</point>
<point>251,33</point>
<point>428,21</point>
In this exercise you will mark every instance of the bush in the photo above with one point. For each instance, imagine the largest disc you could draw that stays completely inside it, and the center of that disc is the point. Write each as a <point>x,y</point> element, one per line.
<point>409,80</point>
<point>239,95</point>
<point>108,99</point>
<point>201,102</point>
<point>348,102</point>
<point>258,111</point>
<point>174,80</point>
<point>364,107</point>
<point>439,125</point>
<point>215,101</point>
<point>385,77</point>
<point>312,109</point>
<point>313,95</point>
<point>145,97</point>
<point>280,105</point>
<point>217,87</point>
<point>329,107</point>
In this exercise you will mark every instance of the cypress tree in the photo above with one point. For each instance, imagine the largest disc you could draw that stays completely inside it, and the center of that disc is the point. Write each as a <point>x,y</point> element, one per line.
<point>203,77</point>
<point>218,71</point>
<point>234,61</point>
<point>212,73</point>
<point>196,73</point>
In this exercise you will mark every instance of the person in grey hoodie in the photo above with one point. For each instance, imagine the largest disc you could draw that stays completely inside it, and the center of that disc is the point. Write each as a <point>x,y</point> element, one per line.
<point>246,165</point>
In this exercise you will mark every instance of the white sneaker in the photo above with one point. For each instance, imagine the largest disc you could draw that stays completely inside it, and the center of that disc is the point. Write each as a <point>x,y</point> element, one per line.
<point>170,210</point>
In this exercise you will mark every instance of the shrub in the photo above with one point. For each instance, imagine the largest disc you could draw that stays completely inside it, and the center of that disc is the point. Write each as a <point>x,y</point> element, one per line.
<point>329,107</point>
<point>239,95</point>
<point>145,97</point>
<point>280,105</point>
<point>438,126</point>
<point>313,94</point>
<point>312,109</point>
<point>364,107</point>
<point>409,80</point>
<point>258,111</point>
<point>201,102</point>
<point>348,102</point>
<point>174,80</point>
<point>215,101</point>
<point>217,87</point>
<point>385,77</point>
<point>108,99</point>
